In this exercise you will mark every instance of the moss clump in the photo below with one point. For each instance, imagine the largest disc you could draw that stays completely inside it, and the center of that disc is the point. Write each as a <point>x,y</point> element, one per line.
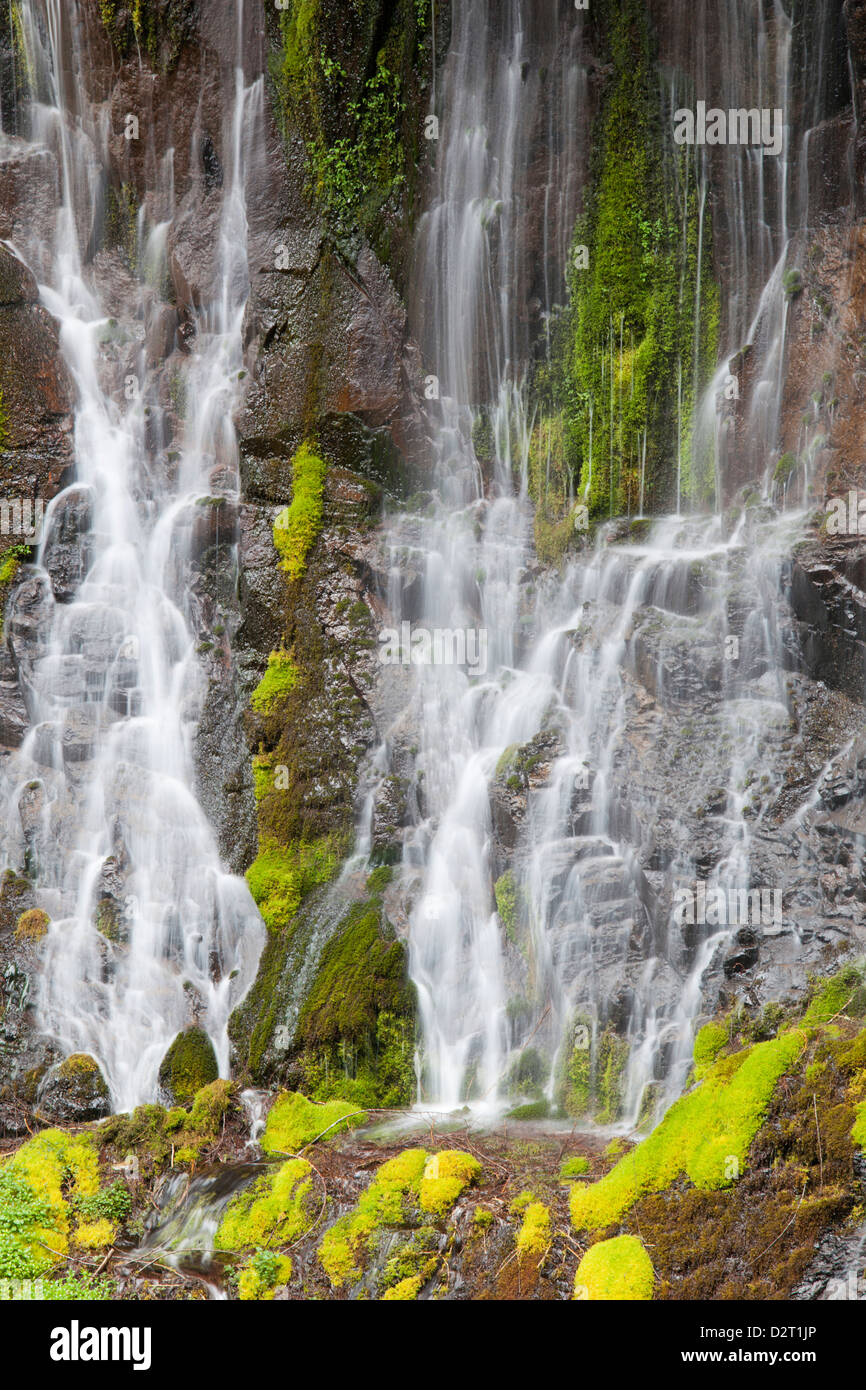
<point>629,362</point>
<point>709,1042</point>
<point>347,78</point>
<point>155,29</point>
<point>262,1275</point>
<point>786,465</point>
<point>574,1167</point>
<point>280,678</point>
<point>156,1135</point>
<point>298,525</point>
<point>446,1175</point>
<point>384,1203</point>
<point>274,1211</point>
<point>95,1235</point>
<point>407,1289</point>
<point>281,875</point>
<point>534,1236</point>
<point>705,1135</point>
<point>592,1076</point>
<point>506,892</point>
<point>618,1269</point>
<point>189,1064</point>
<point>356,1026</point>
<point>844,993</point>
<point>294,1122</point>
<point>38,1188</point>
<point>33,925</point>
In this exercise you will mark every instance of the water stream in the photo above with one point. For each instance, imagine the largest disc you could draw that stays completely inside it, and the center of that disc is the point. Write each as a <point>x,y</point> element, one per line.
<point>148,932</point>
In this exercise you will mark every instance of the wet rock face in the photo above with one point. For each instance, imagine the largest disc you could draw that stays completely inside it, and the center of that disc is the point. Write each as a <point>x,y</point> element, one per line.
<point>35,443</point>
<point>25,1054</point>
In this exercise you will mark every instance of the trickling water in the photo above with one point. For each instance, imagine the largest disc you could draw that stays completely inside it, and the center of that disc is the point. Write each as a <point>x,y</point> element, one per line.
<point>148,931</point>
<point>535,752</point>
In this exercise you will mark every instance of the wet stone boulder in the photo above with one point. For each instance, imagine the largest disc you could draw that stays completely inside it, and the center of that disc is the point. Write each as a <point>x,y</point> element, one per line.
<point>189,1064</point>
<point>74,1092</point>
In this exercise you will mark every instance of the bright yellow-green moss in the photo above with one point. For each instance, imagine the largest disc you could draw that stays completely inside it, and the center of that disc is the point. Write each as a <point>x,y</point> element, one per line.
<point>533,1238</point>
<point>37,1185</point>
<point>281,677</point>
<point>482,1217</point>
<point>33,924</point>
<point>858,1133</point>
<point>844,993</point>
<point>618,1269</point>
<point>294,1121</point>
<point>261,1276</point>
<point>95,1235</point>
<point>273,1211</point>
<point>446,1175</point>
<point>405,1291</point>
<point>281,875</point>
<point>382,1204</point>
<point>705,1135</point>
<point>298,525</point>
<point>708,1044</point>
<point>574,1167</point>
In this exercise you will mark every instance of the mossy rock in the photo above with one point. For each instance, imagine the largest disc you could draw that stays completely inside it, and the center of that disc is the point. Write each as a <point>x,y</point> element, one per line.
<point>189,1064</point>
<point>75,1091</point>
<point>32,925</point>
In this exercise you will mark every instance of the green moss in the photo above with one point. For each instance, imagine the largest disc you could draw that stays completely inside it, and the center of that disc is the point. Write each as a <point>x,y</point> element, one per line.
<point>353,1237</point>
<point>506,892</point>
<point>574,1167</point>
<point>298,525</point>
<point>786,465</point>
<point>274,1211</point>
<point>618,1269</point>
<point>705,1135</point>
<point>407,1289</point>
<point>189,1064</point>
<point>446,1176</point>
<point>843,993</point>
<point>356,1026</point>
<point>280,678</point>
<point>280,876</point>
<point>628,362</point>
<point>709,1042</point>
<point>534,1236</point>
<point>154,1134</point>
<point>155,29</point>
<point>39,1186</point>
<point>412,1263</point>
<point>294,1122</point>
<point>262,1275</point>
<point>345,78</point>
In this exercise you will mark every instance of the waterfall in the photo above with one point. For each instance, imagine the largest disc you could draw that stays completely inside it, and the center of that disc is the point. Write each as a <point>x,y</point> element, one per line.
<point>148,931</point>
<point>540,909</point>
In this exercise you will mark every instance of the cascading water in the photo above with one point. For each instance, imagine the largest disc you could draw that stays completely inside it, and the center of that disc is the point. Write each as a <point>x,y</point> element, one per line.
<point>148,932</point>
<point>534,745</point>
